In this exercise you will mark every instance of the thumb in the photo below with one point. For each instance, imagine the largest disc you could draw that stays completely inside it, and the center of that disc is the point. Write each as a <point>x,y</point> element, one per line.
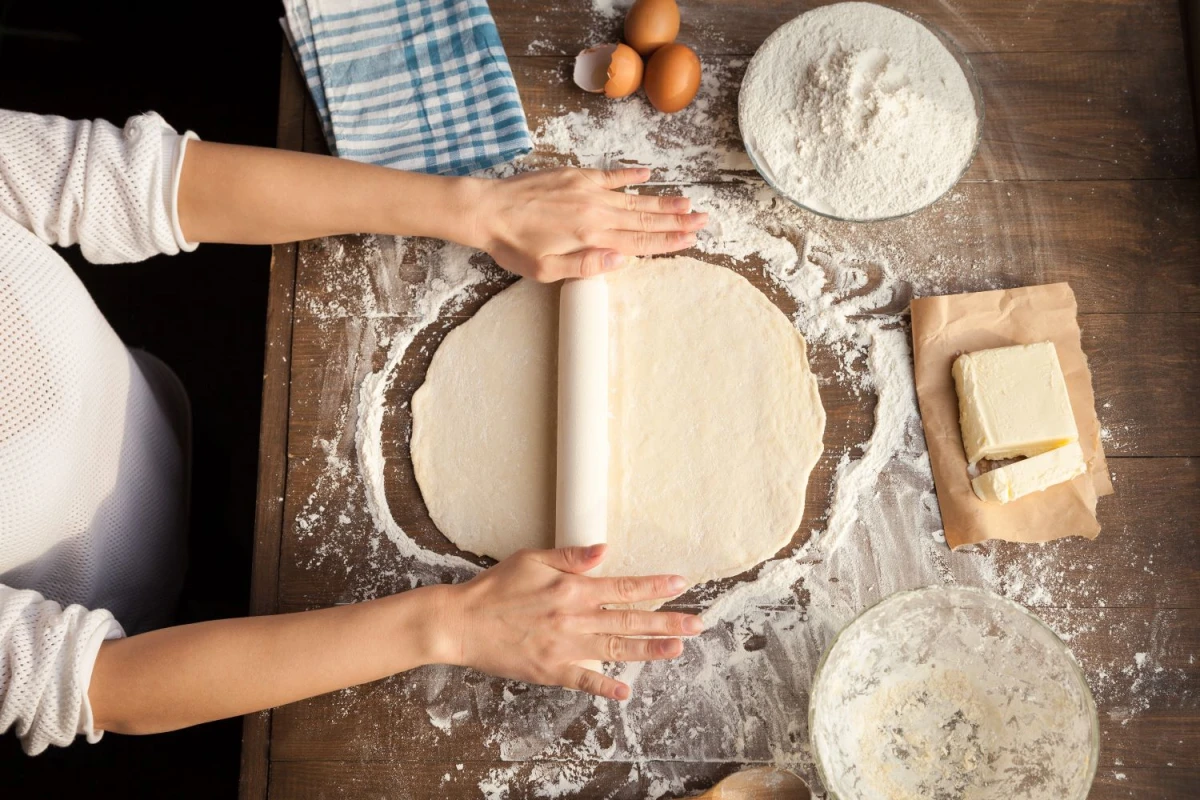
<point>585,263</point>
<point>572,559</point>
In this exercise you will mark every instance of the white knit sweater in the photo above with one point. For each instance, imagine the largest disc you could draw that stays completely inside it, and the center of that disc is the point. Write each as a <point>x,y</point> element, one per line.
<point>92,496</point>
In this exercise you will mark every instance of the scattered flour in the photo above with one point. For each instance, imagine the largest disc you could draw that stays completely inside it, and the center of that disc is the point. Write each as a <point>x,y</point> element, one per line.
<point>611,9</point>
<point>858,111</point>
<point>740,691</point>
<point>444,287</point>
<point>678,147</point>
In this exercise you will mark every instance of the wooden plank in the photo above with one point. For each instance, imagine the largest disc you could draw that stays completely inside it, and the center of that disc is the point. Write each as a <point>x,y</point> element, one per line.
<point>1191,35</point>
<point>450,778</point>
<point>1049,116</point>
<point>1145,552</point>
<point>1147,389</point>
<point>1121,783</point>
<point>1144,402</point>
<point>528,27</point>
<point>1124,246</point>
<point>273,434</point>
<point>1084,117</point>
<point>317,780</point>
<point>1148,714</point>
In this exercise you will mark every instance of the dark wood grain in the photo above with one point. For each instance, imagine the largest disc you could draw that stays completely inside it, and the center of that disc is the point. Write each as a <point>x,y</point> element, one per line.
<point>386,722</point>
<point>1124,246</point>
<point>450,778</point>
<point>532,27</point>
<point>273,434</point>
<point>329,561</point>
<point>325,780</point>
<point>1087,172</point>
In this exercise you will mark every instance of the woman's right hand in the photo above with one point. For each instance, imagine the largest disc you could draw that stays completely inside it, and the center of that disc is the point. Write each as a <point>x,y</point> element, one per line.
<point>533,616</point>
<point>572,223</point>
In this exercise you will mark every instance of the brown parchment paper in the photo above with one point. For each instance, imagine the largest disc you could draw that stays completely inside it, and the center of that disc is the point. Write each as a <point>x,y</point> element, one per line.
<point>945,327</point>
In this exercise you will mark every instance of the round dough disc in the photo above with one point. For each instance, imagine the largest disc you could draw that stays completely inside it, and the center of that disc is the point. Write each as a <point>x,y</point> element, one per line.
<point>715,423</point>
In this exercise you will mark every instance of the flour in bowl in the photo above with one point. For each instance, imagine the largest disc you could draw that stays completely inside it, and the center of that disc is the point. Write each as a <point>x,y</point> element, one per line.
<point>859,112</point>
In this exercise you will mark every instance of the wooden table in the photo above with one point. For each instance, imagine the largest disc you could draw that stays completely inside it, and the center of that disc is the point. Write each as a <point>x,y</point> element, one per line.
<point>1087,172</point>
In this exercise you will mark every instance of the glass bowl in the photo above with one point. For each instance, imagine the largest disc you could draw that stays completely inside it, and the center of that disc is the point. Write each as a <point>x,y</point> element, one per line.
<point>955,692</point>
<point>972,82</point>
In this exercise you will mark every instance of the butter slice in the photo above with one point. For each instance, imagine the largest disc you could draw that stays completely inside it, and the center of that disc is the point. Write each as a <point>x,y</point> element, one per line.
<point>1036,474</point>
<point>1013,401</point>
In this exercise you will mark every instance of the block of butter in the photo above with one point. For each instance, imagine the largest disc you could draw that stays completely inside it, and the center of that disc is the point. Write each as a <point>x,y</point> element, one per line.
<point>1013,401</point>
<point>1036,474</point>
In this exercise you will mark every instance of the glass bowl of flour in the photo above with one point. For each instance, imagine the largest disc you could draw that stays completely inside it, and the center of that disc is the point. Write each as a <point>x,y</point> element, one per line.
<point>859,112</point>
<point>952,692</point>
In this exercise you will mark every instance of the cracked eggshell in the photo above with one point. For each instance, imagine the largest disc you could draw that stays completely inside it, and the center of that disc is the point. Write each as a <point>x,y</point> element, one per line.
<point>614,69</point>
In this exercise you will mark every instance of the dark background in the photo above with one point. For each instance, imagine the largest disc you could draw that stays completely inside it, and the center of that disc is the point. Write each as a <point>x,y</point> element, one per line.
<point>213,67</point>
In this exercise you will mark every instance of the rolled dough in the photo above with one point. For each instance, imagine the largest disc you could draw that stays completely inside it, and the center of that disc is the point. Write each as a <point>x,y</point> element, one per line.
<point>715,423</point>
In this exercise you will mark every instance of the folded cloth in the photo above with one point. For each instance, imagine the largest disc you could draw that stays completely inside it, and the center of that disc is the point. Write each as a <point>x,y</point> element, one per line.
<point>421,85</point>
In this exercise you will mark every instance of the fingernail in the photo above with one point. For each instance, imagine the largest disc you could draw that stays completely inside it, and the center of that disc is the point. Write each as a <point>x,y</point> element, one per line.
<point>693,625</point>
<point>681,204</point>
<point>670,647</point>
<point>622,692</point>
<point>689,238</point>
<point>677,584</point>
<point>700,219</point>
<point>613,260</point>
<point>595,550</point>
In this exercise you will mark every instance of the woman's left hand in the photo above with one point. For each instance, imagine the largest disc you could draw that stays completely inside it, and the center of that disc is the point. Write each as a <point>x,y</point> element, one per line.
<point>535,616</point>
<point>570,223</point>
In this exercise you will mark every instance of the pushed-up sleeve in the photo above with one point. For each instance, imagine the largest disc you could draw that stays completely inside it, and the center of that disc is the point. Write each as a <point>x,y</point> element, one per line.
<point>46,657</point>
<point>112,191</point>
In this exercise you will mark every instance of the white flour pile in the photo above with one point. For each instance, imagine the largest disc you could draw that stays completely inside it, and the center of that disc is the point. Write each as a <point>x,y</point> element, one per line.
<point>740,691</point>
<point>859,112</point>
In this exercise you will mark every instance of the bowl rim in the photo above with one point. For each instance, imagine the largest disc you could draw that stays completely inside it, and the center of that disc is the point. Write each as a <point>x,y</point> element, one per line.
<point>989,596</point>
<point>964,64</point>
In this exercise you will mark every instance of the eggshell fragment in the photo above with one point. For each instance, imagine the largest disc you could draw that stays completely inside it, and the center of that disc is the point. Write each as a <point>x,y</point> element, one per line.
<point>591,67</point>
<point>650,24</point>
<point>614,69</point>
<point>672,77</point>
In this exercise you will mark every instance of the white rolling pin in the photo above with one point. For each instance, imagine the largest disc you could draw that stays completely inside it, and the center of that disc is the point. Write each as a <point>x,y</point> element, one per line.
<point>581,503</point>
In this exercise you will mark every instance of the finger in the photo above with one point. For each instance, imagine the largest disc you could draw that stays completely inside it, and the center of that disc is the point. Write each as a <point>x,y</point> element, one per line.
<point>570,559</point>
<point>657,222</point>
<point>635,590</point>
<point>641,243</point>
<point>625,648</point>
<point>586,680</point>
<point>631,622</point>
<point>582,264</point>
<point>656,203</point>
<point>617,178</point>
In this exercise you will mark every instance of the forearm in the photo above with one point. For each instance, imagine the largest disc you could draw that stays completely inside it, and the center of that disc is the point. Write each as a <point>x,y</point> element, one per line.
<point>186,675</point>
<point>256,195</point>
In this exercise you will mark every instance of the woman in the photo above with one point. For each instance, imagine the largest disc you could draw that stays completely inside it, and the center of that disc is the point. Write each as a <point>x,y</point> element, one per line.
<point>94,438</point>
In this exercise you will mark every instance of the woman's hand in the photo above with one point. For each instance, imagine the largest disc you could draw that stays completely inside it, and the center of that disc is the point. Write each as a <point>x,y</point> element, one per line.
<point>569,223</point>
<point>546,225</point>
<point>533,615</point>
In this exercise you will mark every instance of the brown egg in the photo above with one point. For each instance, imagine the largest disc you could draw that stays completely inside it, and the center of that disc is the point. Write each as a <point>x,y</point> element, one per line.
<point>650,24</point>
<point>614,69</point>
<point>672,77</point>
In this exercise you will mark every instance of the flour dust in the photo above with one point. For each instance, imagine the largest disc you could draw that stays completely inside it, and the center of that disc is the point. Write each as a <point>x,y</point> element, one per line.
<point>739,693</point>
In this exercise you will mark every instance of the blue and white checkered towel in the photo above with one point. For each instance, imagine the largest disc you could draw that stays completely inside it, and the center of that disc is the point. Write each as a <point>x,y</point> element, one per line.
<point>421,85</point>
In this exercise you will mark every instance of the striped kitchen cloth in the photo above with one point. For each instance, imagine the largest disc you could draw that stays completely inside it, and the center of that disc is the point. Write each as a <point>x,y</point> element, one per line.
<point>421,85</point>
